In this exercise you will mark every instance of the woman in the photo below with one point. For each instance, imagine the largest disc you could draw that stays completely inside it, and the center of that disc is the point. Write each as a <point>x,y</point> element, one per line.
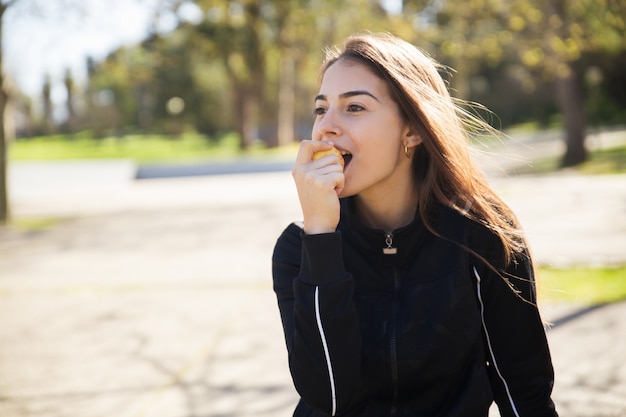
<point>408,290</point>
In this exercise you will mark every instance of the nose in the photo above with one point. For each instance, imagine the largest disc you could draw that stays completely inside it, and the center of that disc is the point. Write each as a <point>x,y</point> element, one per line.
<point>326,126</point>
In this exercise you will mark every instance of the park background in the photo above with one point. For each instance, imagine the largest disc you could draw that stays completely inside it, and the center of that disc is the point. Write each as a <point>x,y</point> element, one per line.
<point>137,170</point>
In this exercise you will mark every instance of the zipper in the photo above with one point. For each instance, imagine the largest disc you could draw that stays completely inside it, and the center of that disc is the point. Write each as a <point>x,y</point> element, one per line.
<point>393,343</point>
<point>390,249</point>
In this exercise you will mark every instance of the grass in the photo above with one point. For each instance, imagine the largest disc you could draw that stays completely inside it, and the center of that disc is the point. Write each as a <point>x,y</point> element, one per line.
<point>606,161</point>
<point>141,149</point>
<point>195,147</point>
<point>35,224</point>
<point>582,285</point>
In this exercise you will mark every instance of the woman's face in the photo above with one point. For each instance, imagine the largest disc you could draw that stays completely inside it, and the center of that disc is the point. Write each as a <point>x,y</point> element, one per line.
<point>355,111</point>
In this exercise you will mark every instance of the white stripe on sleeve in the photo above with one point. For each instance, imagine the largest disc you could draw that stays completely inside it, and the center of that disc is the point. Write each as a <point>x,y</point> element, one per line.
<point>493,357</point>
<point>326,353</point>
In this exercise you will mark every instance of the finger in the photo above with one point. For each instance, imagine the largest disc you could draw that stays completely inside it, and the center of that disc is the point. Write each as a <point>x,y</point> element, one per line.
<point>331,179</point>
<point>308,148</point>
<point>326,165</point>
<point>339,182</point>
<point>327,160</point>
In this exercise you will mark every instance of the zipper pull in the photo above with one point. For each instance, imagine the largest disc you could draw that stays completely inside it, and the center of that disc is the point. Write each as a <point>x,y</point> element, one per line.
<point>389,250</point>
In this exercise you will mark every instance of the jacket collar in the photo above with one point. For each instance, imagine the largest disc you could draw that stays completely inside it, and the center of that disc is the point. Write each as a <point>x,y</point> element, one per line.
<point>405,240</point>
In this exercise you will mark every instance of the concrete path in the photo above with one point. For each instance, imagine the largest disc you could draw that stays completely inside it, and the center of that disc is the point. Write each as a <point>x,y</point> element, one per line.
<point>153,298</point>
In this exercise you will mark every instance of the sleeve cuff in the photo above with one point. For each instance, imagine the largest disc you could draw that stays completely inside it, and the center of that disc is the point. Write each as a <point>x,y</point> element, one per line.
<point>322,258</point>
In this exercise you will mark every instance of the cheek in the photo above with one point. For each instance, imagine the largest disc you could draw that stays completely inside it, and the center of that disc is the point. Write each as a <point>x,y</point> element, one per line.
<point>378,155</point>
<point>382,141</point>
<point>383,153</point>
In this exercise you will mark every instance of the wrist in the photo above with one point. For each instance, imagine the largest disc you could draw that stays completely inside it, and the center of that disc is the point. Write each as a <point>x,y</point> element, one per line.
<point>318,230</point>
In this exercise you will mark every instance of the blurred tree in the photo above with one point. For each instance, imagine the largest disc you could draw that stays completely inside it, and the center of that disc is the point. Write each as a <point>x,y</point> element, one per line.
<point>549,37</point>
<point>4,97</point>
<point>63,6</point>
<point>236,56</point>
<point>139,82</point>
<point>299,53</point>
<point>605,85</point>
<point>293,27</point>
<point>266,48</point>
<point>558,36</point>
<point>235,34</point>
<point>46,99</point>
<point>22,109</point>
<point>184,83</point>
<point>70,91</point>
<point>110,92</point>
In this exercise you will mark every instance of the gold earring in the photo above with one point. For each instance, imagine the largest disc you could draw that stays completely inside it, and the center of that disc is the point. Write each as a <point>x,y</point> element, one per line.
<point>407,152</point>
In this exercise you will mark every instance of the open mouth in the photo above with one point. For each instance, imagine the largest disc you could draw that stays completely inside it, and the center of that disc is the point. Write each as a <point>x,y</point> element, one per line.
<point>347,157</point>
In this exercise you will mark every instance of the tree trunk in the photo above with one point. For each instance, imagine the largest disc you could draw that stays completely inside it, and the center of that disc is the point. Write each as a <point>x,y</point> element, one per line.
<point>286,99</point>
<point>572,103</point>
<point>4,194</point>
<point>570,95</point>
<point>247,107</point>
<point>70,123</point>
<point>250,124</point>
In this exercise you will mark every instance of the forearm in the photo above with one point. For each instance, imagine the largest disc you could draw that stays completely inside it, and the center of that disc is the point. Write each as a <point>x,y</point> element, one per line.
<point>321,325</point>
<point>520,366</point>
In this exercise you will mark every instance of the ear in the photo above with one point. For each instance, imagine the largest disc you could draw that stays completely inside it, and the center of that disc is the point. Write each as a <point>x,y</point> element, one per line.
<point>410,137</point>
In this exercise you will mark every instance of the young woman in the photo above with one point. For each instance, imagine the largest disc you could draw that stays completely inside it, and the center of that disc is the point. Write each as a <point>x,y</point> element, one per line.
<point>408,290</point>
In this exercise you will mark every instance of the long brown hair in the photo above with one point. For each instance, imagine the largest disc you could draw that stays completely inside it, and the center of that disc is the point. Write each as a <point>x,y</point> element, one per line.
<point>444,169</point>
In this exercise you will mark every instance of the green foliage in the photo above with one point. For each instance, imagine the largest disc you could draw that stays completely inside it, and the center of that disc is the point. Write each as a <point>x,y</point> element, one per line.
<point>228,69</point>
<point>582,285</point>
<point>507,53</point>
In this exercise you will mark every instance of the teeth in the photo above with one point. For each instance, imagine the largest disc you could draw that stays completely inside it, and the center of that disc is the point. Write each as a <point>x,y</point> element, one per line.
<point>345,153</point>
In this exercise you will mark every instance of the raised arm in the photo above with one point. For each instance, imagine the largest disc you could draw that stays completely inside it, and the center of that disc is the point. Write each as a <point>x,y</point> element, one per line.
<point>315,298</point>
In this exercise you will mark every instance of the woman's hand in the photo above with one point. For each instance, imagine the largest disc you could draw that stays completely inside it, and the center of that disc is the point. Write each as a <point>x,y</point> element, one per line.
<point>318,183</point>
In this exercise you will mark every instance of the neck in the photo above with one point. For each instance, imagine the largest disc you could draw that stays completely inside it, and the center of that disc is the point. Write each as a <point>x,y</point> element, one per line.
<point>388,210</point>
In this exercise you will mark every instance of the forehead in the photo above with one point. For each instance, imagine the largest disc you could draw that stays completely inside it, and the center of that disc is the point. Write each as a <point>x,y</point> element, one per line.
<point>348,75</point>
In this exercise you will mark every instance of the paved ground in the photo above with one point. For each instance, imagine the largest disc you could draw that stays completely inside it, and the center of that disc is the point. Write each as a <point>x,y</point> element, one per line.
<point>153,298</point>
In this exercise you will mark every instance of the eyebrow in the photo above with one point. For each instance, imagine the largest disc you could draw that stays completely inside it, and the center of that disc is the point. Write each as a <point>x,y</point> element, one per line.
<point>349,94</point>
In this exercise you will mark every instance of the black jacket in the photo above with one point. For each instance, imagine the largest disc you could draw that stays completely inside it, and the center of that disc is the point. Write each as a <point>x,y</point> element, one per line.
<point>428,331</point>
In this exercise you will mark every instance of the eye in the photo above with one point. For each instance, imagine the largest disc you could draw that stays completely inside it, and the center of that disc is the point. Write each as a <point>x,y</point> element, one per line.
<point>319,110</point>
<point>355,108</point>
